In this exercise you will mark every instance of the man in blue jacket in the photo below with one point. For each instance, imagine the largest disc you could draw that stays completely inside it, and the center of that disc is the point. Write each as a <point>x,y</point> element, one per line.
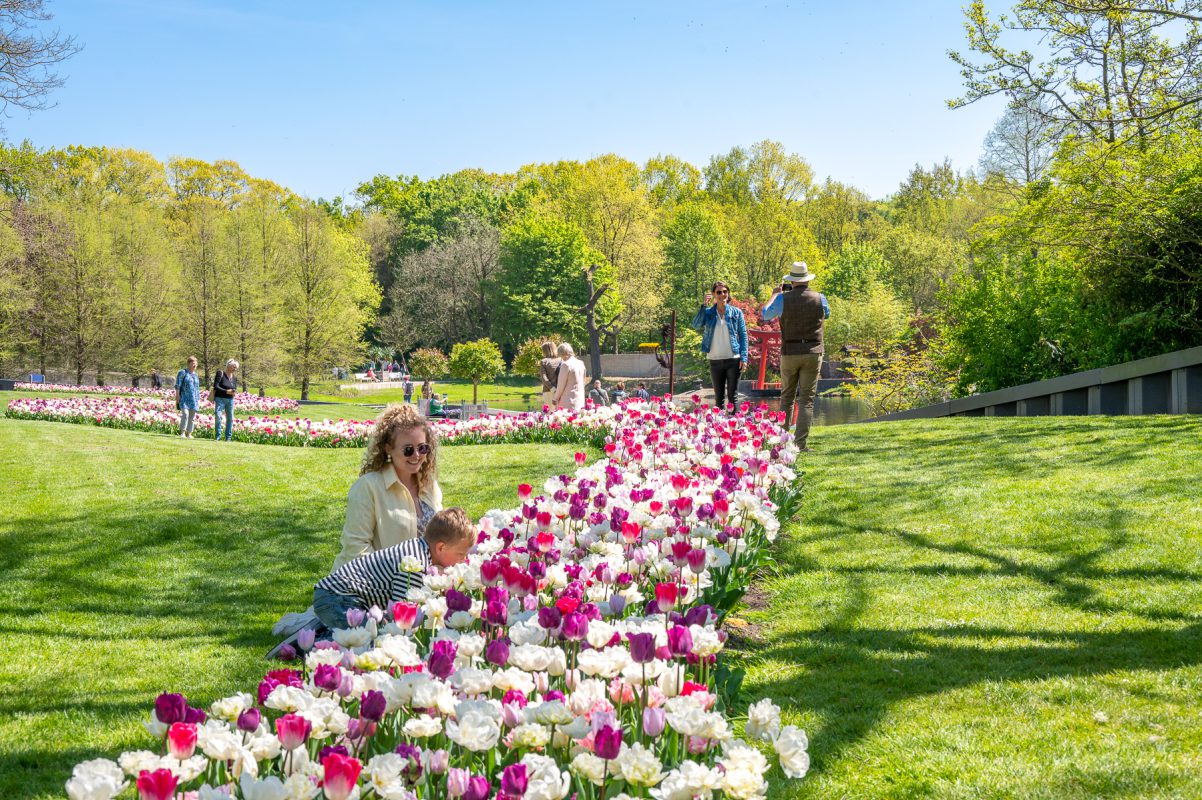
<point>723,341</point>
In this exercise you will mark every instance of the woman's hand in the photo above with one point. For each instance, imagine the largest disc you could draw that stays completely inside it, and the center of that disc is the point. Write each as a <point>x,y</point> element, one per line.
<point>709,299</point>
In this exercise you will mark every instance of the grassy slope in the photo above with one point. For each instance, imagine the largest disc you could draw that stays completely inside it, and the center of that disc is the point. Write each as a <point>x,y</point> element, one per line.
<point>514,393</point>
<point>993,608</point>
<point>137,563</point>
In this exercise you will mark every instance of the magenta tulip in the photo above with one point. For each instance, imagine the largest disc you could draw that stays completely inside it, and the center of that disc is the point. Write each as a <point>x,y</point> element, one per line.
<point>341,775</point>
<point>292,730</point>
<point>157,785</point>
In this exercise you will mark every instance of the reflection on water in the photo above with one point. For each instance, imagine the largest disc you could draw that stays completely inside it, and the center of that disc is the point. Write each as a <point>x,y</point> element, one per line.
<point>830,410</point>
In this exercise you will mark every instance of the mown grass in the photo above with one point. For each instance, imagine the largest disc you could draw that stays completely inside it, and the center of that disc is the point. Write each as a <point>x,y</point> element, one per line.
<point>518,393</point>
<point>973,608</point>
<point>136,563</point>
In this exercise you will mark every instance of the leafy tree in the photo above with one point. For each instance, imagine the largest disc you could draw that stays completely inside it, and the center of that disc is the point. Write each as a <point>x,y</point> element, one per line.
<point>852,273</point>
<point>327,295</point>
<point>762,173</point>
<point>542,286</point>
<point>529,356</point>
<point>874,320</point>
<point>144,271</point>
<point>671,181</point>
<point>920,264</point>
<point>477,361</point>
<point>428,364</point>
<point>907,380</point>
<point>1021,145</point>
<point>696,254</point>
<point>840,215</point>
<point>28,55</point>
<point>1102,69</point>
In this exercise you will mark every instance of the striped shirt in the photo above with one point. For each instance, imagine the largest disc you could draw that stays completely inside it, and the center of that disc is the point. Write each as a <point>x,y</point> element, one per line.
<point>378,579</point>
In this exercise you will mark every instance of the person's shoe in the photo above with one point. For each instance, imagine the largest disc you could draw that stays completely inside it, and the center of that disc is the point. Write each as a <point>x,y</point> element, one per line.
<point>183,436</point>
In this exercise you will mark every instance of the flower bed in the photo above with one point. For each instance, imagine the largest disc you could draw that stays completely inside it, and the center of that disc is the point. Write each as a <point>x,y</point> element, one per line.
<point>243,400</point>
<point>575,652</point>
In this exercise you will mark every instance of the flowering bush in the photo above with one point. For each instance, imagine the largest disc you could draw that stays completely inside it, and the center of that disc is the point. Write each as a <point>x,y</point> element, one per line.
<point>242,400</point>
<point>574,652</point>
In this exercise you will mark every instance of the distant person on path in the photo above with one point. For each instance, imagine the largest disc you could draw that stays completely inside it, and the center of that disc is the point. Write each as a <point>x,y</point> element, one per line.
<point>641,393</point>
<point>407,388</point>
<point>548,371</point>
<point>803,315</point>
<point>187,397</point>
<point>156,380</point>
<point>385,576</point>
<point>619,392</point>
<point>371,374</point>
<point>225,386</point>
<point>397,492</point>
<point>427,389</point>
<point>598,395</point>
<point>723,341</point>
<point>569,385</point>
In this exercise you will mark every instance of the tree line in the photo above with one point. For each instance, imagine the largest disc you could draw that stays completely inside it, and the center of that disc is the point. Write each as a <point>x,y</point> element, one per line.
<point>1072,244</point>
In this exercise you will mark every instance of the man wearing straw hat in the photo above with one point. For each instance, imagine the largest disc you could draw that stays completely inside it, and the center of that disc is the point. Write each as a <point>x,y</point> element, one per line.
<point>802,313</point>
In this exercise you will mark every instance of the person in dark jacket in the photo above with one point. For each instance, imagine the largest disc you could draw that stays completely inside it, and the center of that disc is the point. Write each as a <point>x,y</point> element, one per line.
<point>803,314</point>
<point>225,386</point>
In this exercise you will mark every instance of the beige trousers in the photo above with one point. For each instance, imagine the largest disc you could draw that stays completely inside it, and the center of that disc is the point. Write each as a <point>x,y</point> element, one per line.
<point>799,381</point>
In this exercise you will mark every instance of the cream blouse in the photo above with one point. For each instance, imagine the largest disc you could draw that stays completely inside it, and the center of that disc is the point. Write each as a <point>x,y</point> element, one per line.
<point>380,513</point>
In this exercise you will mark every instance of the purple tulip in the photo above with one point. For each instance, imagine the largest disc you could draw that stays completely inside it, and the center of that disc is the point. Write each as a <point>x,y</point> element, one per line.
<point>327,677</point>
<point>333,749</point>
<point>458,601</point>
<point>617,604</point>
<point>355,617</point>
<point>696,560</point>
<point>372,705</point>
<point>599,500</point>
<point>496,613</point>
<point>698,615</point>
<point>705,511</point>
<point>306,639</point>
<point>554,694</point>
<point>653,721</point>
<point>575,626</point>
<point>607,742</point>
<point>642,647</point>
<point>478,788</point>
<point>442,659</point>
<point>514,781</point>
<point>549,617</point>
<point>170,708</point>
<point>497,652</point>
<point>194,716</point>
<point>680,641</point>
<point>248,720</point>
<point>616,517</point>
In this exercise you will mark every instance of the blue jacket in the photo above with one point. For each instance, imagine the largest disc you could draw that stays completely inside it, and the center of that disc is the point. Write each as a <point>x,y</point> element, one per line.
<point>707,319</point>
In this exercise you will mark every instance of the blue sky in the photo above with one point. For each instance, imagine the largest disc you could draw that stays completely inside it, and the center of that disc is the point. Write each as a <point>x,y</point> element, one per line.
<point>320,96</point>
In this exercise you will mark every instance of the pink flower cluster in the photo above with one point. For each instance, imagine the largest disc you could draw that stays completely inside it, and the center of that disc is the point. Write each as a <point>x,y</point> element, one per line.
<point>575,652</point>
<point>243,400</point>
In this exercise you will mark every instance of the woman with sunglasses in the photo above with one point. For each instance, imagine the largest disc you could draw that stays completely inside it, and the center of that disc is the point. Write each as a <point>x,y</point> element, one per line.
<point>723,342</point>
<point>397,492</point>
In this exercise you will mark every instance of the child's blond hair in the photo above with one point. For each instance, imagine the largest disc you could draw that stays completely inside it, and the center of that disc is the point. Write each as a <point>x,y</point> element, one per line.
<point>449,526</point>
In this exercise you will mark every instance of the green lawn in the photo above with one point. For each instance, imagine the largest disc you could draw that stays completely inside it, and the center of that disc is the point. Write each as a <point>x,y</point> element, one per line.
<point>973,608</point>
<point>966,608</point>
<point>135,563</point>
<point>515,393</point>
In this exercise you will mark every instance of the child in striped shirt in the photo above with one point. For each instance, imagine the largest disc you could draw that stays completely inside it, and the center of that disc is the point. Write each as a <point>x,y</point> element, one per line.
<point>385,576</point>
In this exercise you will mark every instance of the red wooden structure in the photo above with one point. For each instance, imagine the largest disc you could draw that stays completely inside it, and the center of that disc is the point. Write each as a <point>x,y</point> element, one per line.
<point>766,339</point>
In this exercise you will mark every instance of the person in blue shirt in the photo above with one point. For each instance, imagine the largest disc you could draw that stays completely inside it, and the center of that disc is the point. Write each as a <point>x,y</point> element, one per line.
<point>803,314</point>
<point>723,342</point>
<point>187,397</point>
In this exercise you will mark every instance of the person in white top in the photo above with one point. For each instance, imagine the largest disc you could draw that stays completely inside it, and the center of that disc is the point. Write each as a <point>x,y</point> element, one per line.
<point>723,341</point>
<point>569,389</point>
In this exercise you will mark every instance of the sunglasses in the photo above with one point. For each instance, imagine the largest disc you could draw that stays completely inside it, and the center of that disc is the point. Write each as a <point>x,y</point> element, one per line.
<point>408,450</point>
<point>722,291</point>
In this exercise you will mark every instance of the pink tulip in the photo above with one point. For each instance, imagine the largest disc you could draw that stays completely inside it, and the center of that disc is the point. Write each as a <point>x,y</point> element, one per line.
<point>341,775</point>
<point>292,730</point>
<point>404,614</point>
<point>181,740</point>
<point>157,785</point>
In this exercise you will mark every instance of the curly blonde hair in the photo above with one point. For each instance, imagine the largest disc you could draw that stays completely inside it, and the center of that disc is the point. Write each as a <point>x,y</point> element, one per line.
<point>400,417</point>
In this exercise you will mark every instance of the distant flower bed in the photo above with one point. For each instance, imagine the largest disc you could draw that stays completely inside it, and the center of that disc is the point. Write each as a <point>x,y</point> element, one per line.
<point>242,400</point>
<point>574,654</point>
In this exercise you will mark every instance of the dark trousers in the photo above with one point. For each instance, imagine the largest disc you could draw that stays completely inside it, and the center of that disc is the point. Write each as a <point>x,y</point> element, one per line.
<point>724,375</point>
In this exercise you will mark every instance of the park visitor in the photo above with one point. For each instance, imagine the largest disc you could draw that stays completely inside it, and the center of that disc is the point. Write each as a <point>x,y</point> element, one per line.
<point>598,395</point>
<point>569,389</point>
<point>386,576</point>
<point>641,392</point>
<point>548,371</point>
<point>803,314</point>
<point>407,388</point>
<point>371,374</point>
<point>723,341</point>
<point>397,491</point>
<point>225,386</point>
<point>427,389</point>
<point>619,392</point>
<point>156,380</point>
<point>187,397</point>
